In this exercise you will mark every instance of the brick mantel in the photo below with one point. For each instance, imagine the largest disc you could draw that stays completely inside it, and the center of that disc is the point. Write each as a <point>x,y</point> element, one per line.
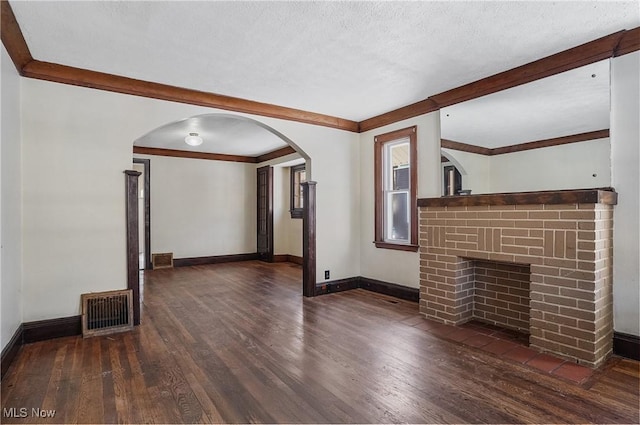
<point>563,237</point>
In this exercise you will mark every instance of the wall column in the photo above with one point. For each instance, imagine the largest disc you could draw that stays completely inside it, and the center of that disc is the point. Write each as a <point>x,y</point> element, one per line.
<point>309,239</point>
<point>133,273</point>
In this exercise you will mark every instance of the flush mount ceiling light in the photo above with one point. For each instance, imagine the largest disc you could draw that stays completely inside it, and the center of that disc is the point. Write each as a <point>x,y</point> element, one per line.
<point>193,139</point>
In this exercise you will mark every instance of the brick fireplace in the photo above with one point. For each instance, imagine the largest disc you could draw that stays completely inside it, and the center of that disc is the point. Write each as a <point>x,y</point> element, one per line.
<point>537,262</point>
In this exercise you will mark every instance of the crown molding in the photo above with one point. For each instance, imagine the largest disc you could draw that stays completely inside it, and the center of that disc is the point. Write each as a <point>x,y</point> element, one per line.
<point>175,153</point>
<point>556,141</point>
<point>193,155</point>
<point>287,150</point>
<point>119,84</point>
<point>464,147</point>
<point>537,144</point>
<point>27,66</point>
<point>616,44</point>
<point>419,108</point>
<point>629,43</point>
<point>566,60</point>
<point>12,37</point>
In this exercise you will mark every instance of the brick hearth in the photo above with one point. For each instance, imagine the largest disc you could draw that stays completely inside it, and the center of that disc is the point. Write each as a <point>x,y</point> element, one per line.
<point>478,260</point>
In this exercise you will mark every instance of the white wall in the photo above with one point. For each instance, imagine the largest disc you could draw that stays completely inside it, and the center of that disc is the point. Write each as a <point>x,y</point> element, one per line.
<point>474,168</point>
<point>280,211</point>
<point>202,208</point>
<point>333,158</point>
<point>334,167</point>
<point>294,237</point>
<point>399,267</point>
<point>625,157</point>
<point>287,231</point>
<point>76,144</point>
<point>10,202</point>
<point>570,166</point>
<point>141,195</point>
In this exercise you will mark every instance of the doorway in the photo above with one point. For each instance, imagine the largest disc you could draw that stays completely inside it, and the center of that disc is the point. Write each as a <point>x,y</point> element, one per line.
<point>265,213</point>
<point>145,145</point>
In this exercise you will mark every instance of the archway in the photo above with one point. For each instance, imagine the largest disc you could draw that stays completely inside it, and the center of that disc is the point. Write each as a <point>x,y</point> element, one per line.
<point>451,164</point>
<point>241,125</point>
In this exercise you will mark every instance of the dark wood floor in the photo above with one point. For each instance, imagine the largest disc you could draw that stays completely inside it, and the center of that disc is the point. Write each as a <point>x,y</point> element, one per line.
<point>238,343</point>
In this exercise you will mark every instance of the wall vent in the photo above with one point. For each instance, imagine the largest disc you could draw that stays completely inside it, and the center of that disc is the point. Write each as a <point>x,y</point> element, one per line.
<point>107,312</point>
<point>162,261</point>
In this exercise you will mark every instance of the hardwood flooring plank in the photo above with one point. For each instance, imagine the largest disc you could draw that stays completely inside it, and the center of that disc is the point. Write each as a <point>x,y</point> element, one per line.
<point>70,387</point>
<point>255,345</point>
<point>14,374</point>
<point>51,398</point>
<point>224,389</point>
<point>145,410</point>
<point>90,403</point>
<point>237,343</point>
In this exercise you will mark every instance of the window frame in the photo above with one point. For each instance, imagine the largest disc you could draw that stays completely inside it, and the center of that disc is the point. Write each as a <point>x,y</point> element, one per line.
<point>379,148</point>
<point>295,212</point>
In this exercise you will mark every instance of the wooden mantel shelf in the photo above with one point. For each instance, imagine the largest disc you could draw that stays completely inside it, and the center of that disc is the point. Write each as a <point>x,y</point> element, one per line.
<point>606,196</point>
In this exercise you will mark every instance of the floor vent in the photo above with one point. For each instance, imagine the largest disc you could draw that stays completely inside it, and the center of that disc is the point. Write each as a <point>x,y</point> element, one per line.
<point>107,312</point>
<point>162,261</point>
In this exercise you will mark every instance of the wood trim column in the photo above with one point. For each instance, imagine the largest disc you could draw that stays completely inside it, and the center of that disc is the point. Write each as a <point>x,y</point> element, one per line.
<point>264,215</point>
<point>133,276</point>
<point>147,210</point>
<point>309,239</point>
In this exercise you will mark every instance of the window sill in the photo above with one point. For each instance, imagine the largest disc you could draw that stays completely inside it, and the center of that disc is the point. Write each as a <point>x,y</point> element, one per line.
<point>397,246</point>
<point>297,213</point>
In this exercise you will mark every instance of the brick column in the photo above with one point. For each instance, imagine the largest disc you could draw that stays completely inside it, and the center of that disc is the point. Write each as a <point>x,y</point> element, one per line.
<point>449,297</point>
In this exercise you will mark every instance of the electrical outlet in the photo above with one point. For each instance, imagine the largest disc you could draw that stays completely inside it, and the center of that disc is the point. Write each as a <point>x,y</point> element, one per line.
<point>326,274</point>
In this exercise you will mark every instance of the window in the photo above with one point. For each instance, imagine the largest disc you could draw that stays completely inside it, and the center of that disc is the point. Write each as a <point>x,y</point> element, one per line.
<point>298,176</point>
<point>395,190</point>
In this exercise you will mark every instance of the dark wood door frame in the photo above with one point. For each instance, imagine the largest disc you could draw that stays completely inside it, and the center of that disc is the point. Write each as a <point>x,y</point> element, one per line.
<point>133,261</point>
<point>264,229</point>
<point>147,210</point>
<point>309,239</point>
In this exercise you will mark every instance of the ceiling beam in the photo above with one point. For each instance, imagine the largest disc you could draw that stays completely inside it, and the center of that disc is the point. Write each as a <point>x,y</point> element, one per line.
<point>616,44</point>
<point>537,144</point>
<point>12,37</point>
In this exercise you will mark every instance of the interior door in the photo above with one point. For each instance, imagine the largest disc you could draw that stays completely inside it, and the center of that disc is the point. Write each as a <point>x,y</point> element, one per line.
<point>265,213</point>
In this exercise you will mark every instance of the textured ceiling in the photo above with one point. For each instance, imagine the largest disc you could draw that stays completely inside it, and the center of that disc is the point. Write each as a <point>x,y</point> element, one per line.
<point>573,102</point>
<point>348,59</point>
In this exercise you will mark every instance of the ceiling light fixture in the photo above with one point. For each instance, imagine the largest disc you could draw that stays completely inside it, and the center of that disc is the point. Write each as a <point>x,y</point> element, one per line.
<point>193,139</point>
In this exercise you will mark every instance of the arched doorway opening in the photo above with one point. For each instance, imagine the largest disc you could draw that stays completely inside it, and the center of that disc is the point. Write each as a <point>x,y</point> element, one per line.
<point>227,137</point>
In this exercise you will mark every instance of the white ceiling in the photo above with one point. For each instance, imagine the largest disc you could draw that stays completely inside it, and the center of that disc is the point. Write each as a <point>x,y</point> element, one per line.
<point>348,59</point>
<point>221,133</point>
